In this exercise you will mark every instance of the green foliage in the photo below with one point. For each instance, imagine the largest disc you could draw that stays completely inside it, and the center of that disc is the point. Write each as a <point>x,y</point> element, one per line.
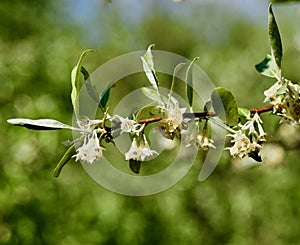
<point>176,70</point>
<point>151,94</point>
<point>104,96</point>
<point>275,40</point>
<point>91,89</point>
<point>225,106</point>
<point>189,80</point>
<point>76,81</point>
<point>244,112</point>
<point>148,111</point>
<point>135,166</point>
<point>267,67</point>
<point>149,69</point>
<point>40,124</point>
<point>234,206</point>
<point>64,160</point>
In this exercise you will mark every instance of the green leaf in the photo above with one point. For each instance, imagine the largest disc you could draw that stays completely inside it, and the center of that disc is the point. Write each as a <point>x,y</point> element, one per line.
<point>176,70</point>
<point>244,112</point>
<point>90,87</point>
<point>152,94</point>
<point>76,81</point>
<point>189,81</point>
<point>64,160</point>
<point>40,124</point>
<point>135,166</point>
<point>268,67</point>
<point>274,36</point>
<point>103,98</point>
<point>148,111</point>
<point>105,95</point>
<point>225,105</point>
<point>149,69</point>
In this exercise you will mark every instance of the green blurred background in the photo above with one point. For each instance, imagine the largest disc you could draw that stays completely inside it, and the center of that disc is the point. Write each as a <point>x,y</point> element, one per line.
<point>40,42</point>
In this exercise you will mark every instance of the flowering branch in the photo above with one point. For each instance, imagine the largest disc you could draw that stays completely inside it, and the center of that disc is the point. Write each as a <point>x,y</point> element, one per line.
<point>244,126</point>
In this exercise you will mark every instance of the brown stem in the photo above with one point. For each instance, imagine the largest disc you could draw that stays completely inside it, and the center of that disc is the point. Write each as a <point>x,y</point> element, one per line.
<point>261,109</point>
<point>205,114</point>
<point>150,120</point>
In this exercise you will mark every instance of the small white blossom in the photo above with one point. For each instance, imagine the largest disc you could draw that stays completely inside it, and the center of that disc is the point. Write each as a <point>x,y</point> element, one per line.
<point>130,126</point>
<point>251,125</point>
<point>174,113</point>
<point>294,90</point>
<point>241,146</point>
<point>248,139</point>
<point>291,104</point>
<point>139,150</point>
<point>204,142</point>
<point>271,93</point>
<point>90,149</point>
<point>196,139</point>
<point>87,125</point>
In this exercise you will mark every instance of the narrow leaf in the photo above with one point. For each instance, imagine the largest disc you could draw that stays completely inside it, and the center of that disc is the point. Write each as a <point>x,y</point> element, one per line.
<point>274,36</point>
<point>104,96</point>
<point>76,81</point>
<point>149,69</point>
<point>135,166</point>
<point>40,124</point>
<point>189,81</point>
<point>176,70</point>
<point>268,67</point>
<point>64,160</point>
<point>90,87</point>
<point>152,94</point>
<point>225,105</point>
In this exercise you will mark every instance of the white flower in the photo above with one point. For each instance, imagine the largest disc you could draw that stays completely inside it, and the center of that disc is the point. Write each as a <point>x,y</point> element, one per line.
<point>174,115</point>
<point>196,139</point>
<point>271,93</point>
<point>251,123</point>
<point>90,149</point>
<point>139,150</point>
<point>130,126</point>
<point>241,146</point>
<point>294,90</point>
<point>87,126</point>
<point>291,104</point>
<point>247,145</point>
<point>204,142</point>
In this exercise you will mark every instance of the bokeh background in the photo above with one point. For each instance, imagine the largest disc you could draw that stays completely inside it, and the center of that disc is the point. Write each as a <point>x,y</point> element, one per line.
<point>40,42</point>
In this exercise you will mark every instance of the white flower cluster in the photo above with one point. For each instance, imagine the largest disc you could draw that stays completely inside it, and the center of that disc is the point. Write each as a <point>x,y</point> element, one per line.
<point>175,115</point>
<point>140,149</point>
<point>285,98</point>
<point>248,139</point>
<point>196,138</point>
<point>91,149</point>
<point>174,120</point>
